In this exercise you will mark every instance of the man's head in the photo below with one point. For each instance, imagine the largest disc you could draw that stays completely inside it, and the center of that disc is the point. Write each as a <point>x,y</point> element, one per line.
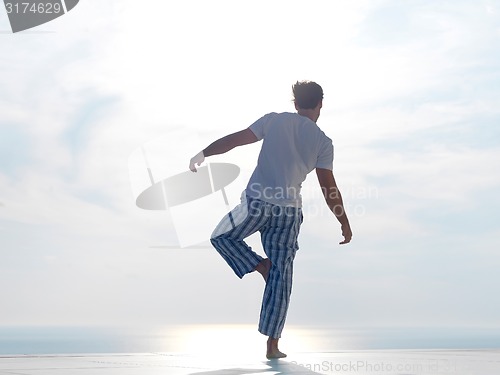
<point>308,98</point>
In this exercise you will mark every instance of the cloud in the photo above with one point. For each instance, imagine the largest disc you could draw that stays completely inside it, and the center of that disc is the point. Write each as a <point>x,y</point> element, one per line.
<point>412,114</point>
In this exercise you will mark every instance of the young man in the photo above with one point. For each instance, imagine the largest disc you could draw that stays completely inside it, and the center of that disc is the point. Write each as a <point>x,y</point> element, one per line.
<point>293,145</point>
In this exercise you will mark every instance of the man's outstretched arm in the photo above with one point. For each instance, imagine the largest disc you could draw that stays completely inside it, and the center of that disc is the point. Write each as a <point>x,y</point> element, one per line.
<point>334,201</point>
<point>223,145</point>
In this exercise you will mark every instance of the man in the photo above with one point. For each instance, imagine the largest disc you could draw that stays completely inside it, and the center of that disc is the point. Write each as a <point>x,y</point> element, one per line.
<point>293,145</point>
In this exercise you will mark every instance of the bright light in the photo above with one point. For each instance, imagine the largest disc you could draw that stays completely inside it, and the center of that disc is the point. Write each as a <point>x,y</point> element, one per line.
<point>241,340</point>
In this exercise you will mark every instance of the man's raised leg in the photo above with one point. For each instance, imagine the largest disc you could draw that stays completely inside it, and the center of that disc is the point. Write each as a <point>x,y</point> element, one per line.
<point>228,238</point>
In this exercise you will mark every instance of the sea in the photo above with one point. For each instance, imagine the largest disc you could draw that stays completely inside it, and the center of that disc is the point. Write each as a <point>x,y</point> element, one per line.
<point>39,340</point>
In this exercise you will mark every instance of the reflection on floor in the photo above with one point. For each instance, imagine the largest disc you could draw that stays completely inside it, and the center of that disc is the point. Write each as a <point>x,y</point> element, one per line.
<point>407,362</point>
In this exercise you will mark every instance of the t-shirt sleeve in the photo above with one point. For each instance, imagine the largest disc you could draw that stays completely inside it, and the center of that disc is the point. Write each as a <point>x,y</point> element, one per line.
<point>259,127</point>
<point>325,156</point>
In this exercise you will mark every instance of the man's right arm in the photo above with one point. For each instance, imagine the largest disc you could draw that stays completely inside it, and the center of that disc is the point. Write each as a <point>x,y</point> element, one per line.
<point>230,141</point>
<point>334,201</point>
<point>223,145</point>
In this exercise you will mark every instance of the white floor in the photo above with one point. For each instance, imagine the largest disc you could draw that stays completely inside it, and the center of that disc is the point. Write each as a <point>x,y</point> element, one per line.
<point>403,362</point>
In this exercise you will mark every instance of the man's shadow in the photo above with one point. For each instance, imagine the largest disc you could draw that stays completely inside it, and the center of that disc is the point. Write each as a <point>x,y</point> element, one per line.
<point>282,367</point>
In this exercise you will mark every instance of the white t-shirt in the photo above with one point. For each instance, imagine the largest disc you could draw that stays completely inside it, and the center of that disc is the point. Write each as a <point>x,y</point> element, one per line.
<point>293,146</point>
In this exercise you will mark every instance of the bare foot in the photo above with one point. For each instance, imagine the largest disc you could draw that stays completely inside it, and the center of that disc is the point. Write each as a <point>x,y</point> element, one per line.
<point>275,355</point>
<point>263,268</point>
<point>272,349</point>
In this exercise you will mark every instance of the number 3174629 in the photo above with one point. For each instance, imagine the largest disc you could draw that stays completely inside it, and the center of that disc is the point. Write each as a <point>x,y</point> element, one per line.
<point>24,8</point>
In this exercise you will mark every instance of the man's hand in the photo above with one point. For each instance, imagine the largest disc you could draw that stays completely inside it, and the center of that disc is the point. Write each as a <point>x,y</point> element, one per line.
<point>196,160</point>
<point>347,233</point>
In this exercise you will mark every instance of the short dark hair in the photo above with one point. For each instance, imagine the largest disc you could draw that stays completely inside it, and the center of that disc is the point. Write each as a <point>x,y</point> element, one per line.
<point>307,94</point>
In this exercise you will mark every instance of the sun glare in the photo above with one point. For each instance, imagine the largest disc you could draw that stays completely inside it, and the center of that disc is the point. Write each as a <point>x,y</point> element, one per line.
<point>212,339</point>
<point>242,340</point>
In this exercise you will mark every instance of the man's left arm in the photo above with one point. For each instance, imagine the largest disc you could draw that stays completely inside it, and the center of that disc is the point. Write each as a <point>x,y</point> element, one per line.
<point>223,145</point>
<point>334,201</point>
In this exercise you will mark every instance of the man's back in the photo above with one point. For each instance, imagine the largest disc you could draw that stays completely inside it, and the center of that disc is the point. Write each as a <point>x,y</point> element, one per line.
<point>293,145</point>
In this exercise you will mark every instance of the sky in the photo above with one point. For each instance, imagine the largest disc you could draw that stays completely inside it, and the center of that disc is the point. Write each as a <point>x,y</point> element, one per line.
<point>412,104</point>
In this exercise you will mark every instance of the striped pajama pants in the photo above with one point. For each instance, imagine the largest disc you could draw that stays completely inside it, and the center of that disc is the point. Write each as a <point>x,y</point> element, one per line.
<point>279,228</point>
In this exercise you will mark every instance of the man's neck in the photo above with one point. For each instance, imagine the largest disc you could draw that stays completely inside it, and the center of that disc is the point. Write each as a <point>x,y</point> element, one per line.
<point>309,113</point>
